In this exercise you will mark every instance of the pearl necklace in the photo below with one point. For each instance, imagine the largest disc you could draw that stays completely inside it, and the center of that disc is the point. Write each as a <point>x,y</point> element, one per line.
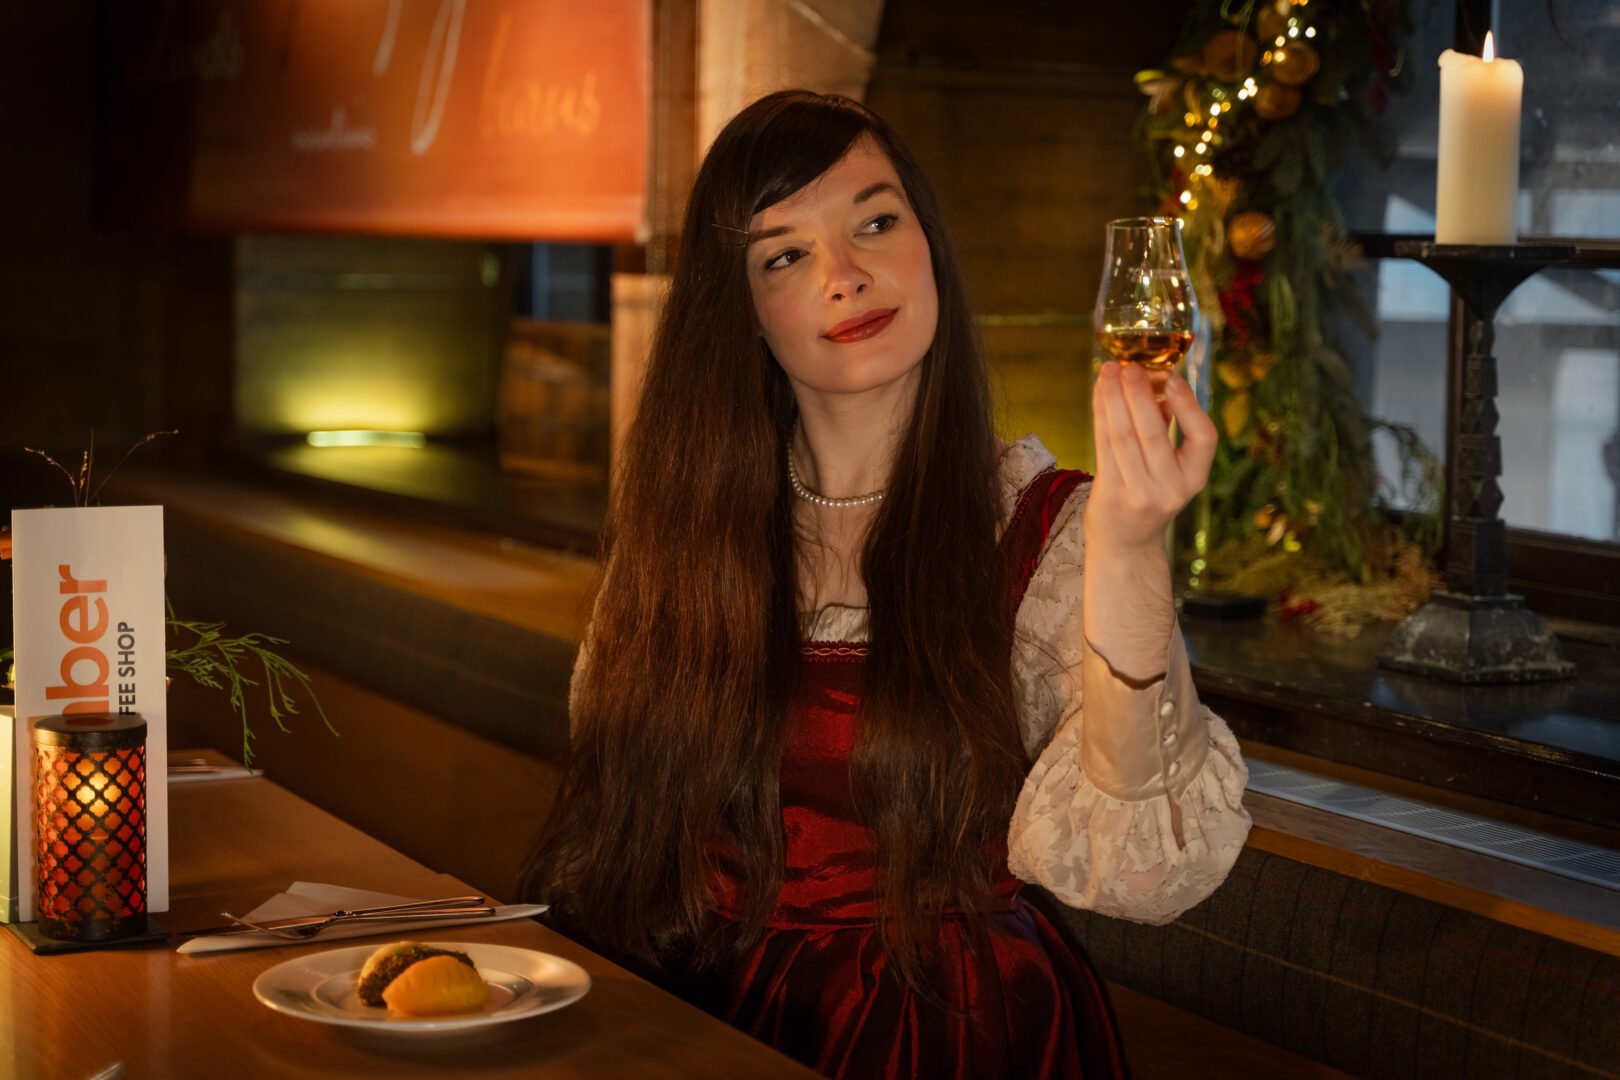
<point>821,500</point>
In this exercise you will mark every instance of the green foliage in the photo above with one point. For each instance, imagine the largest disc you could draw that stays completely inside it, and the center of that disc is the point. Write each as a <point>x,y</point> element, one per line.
<point>1295,461</point>
<point>1424,475</point>
<point>210,658</point>
<point>219,662</point>
<point>1284,314</point>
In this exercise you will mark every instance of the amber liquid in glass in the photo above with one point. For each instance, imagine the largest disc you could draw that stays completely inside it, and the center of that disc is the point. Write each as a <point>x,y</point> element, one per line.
<point>1154,350</point>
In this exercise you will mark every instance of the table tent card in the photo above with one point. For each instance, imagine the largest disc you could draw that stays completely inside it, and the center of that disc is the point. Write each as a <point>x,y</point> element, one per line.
<point>88,614</point>
<point>8,847</point>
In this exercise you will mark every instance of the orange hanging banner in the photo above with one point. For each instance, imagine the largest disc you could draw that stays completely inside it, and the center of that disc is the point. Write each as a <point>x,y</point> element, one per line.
<point>523,119</point>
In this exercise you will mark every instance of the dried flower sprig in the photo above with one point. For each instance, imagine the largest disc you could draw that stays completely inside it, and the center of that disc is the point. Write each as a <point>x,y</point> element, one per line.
<point>80,483</point>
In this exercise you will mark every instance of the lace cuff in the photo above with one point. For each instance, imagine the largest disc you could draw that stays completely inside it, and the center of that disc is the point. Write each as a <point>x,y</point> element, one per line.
<point>1140,743</point>
<point>1148,859</point>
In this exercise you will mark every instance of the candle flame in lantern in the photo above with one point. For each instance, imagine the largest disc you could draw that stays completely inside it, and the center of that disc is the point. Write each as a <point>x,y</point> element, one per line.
<point>1490,48</point>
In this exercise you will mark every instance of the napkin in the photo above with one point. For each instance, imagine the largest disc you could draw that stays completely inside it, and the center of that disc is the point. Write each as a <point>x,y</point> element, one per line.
<point>222,772</point>
<point>312,898</point>
<point>222,767</point>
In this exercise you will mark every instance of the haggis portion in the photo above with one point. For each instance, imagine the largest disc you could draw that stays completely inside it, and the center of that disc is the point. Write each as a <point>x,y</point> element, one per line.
<point>439,987</point>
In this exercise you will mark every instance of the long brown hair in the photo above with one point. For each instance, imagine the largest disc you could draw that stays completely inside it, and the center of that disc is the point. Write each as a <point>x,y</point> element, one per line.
<point>679,710</point>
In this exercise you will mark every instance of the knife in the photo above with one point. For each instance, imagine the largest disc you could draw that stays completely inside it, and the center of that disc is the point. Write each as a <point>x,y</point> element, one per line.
<point>418,909</point>
<point>326,922</point>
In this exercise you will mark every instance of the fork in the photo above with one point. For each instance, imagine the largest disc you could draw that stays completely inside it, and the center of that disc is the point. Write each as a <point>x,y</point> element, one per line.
<point>450,907</point>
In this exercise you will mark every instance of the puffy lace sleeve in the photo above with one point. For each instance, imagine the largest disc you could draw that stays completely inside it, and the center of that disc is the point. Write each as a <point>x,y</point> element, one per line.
<point>1134,807</point>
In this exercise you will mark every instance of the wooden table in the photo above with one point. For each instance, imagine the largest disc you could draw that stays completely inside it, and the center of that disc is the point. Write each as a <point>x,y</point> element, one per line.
<point>234,844</point>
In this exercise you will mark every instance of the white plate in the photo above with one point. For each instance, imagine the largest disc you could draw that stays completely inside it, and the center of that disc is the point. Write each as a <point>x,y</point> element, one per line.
<point>322,987</point>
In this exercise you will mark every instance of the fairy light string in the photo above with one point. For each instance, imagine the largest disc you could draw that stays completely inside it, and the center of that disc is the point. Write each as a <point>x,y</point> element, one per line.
<point>1244,126</point>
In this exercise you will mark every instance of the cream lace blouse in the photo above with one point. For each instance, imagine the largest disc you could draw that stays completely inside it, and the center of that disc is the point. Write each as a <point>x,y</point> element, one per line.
<point>1134,807</point>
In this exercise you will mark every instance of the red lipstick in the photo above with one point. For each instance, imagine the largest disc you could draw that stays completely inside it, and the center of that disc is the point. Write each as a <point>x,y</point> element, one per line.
<point>861,327</point>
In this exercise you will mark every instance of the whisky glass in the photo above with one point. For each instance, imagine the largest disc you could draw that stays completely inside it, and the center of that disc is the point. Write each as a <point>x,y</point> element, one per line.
<point>1146,312</point>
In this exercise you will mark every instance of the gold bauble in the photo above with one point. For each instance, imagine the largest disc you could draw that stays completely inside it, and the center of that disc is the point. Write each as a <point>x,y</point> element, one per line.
<point>1294,63</point>
<point>1230,55</point>
<point>1235,415</point>
<point>1274,101</point>
<point>1251,234</point>
<point>1271,21</point>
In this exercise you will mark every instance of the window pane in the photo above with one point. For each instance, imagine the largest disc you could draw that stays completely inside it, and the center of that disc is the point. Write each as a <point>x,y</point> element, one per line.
<point>1569,171</point>
<point>1570,163</point>
<point>1558,335</point>
<point>1558,362</point>
<point>1558,371</point>
<point>1412,121</point>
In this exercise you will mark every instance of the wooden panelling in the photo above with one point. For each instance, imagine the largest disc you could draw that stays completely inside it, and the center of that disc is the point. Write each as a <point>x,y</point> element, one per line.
<point>1033,33</point>
<point>1030,167</point>
<point>1030,164</point>
<point>1041,378</point>
<point>749,48</point>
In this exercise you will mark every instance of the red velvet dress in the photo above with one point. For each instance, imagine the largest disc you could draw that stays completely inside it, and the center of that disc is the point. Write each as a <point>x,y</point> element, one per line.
<point>819,986</point>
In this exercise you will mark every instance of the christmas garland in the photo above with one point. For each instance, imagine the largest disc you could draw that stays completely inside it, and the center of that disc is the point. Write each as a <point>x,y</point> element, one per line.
<point>1263,100</point>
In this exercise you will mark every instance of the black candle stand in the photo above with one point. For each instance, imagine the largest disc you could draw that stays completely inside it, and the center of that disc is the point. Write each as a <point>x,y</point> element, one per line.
<point>1474,630</point>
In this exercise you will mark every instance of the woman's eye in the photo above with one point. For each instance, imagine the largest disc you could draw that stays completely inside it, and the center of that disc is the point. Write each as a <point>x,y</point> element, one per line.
<point>784,260</point>
<point>882,223</point>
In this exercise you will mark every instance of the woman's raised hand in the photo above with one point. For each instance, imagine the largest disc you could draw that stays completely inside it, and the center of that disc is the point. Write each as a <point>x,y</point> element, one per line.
<point>1143,480</point>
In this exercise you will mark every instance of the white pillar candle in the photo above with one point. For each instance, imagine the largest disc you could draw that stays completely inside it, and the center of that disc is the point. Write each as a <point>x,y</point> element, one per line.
<point>1477,182</point>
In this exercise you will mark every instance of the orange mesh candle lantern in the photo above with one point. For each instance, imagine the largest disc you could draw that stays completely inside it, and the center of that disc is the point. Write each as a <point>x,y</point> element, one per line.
<point>90,826</point>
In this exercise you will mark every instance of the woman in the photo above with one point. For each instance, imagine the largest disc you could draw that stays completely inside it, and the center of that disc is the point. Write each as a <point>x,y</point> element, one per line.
<point>841,642</point>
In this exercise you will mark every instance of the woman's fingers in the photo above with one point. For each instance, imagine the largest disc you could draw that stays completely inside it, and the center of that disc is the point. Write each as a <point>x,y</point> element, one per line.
<point>1150,427</point>
<point>1133,444</point>
<point>1198,434</point>
<point>1117,429</point>
<point>1131,424</point>
<point>1099,426</point>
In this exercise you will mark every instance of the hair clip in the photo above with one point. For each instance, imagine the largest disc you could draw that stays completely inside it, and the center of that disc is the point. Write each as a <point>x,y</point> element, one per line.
<point>731,236</point>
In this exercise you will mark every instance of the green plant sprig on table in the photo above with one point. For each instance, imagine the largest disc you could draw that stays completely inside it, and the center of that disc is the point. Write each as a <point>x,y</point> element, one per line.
<point>219,662</point>
<point>216,661</point>
<point>212,660</point>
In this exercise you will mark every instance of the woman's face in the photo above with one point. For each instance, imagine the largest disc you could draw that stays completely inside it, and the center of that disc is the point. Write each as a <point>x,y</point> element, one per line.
<point>842,281</point>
